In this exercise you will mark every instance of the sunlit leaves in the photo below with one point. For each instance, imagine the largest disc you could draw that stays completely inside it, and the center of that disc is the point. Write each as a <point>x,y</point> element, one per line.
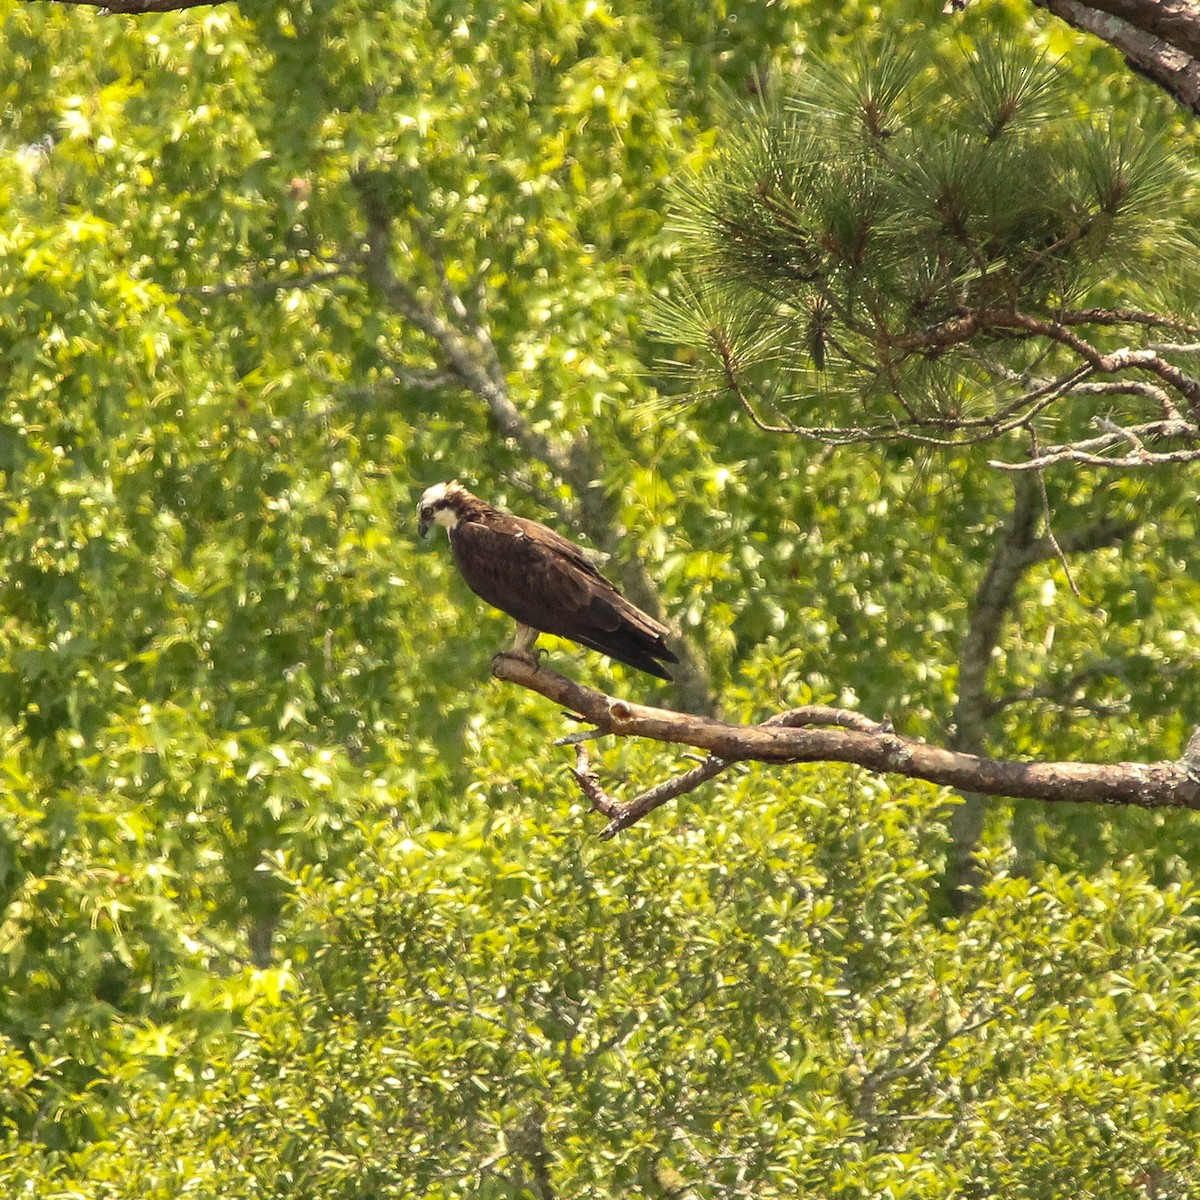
<point>759,1001</point>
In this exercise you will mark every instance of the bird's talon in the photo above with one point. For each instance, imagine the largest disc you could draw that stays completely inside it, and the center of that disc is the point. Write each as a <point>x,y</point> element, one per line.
<point>530,660</point>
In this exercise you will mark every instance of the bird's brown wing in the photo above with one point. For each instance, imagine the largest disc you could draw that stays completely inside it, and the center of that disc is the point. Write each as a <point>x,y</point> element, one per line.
<point>545,581</point>
<point>547,541</point>
<point>526,570</point>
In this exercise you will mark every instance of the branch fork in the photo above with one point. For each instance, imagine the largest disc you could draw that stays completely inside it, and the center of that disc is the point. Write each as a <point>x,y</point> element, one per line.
<point>816,733</point>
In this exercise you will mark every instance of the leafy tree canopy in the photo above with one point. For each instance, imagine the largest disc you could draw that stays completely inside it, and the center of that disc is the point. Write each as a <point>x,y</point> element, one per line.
<point>291,900</point>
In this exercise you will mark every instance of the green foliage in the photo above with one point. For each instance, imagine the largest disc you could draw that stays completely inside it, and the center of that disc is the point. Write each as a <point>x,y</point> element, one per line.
<point>755,1005</point>
<point>291,901</point>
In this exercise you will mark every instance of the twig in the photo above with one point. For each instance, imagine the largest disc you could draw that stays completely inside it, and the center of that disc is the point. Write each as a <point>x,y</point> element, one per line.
<point>622,815</point>
<point>723,348</point>
<point>1058,551</point>
<point>264,286</point>
<point>1083,453</point>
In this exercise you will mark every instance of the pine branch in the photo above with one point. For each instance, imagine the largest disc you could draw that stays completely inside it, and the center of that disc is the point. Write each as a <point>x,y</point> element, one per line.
<point>968,325</point>
<point>1021,411</point>
<point>1112,363</point>
<point>898,287</point>
<point>1124,316</point>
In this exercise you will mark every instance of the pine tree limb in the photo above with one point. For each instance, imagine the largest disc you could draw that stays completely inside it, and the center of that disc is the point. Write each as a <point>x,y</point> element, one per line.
<point>1159,38</point>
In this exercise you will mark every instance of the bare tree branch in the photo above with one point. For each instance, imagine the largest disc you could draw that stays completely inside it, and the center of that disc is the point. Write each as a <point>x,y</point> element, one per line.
<point>458,356</point>
<point>1177,22</point>
<point>1159,38</point>
<point>1096,535</point>
<point>725,352</point>
<point>1059,553</point>
<point>961,431</point>
<point>1092,450</point>
<point>1145,785</point>
<point>1131,462</point>
<point>622,815</point>
<point>1147,391</point>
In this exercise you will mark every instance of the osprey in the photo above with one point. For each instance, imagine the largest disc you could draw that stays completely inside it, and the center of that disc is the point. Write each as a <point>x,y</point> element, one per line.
<point>541,579</point>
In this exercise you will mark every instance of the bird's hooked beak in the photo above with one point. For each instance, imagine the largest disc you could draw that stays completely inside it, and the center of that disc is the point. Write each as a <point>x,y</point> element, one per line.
<point>423,524</point>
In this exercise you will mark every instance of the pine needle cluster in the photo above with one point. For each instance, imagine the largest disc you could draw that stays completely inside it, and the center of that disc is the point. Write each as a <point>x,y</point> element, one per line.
<point>883,244</point>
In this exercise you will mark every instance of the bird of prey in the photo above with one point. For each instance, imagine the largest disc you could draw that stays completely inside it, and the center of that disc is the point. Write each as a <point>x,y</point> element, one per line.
<point>542,580</point>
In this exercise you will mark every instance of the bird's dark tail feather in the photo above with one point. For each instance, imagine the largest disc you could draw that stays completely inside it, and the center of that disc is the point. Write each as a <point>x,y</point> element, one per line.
<point>635,656</point>
<point>643,662</point>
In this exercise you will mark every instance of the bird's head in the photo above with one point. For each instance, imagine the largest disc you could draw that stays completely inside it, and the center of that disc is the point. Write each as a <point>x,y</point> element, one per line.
<point>444,503</point>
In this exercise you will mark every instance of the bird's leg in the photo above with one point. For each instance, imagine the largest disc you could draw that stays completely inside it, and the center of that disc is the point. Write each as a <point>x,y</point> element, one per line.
<point>524,641</point>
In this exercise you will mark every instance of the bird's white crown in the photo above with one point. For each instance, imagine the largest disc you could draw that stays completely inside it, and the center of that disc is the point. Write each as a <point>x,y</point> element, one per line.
<point>438,503</point>
<point>439,493</point>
